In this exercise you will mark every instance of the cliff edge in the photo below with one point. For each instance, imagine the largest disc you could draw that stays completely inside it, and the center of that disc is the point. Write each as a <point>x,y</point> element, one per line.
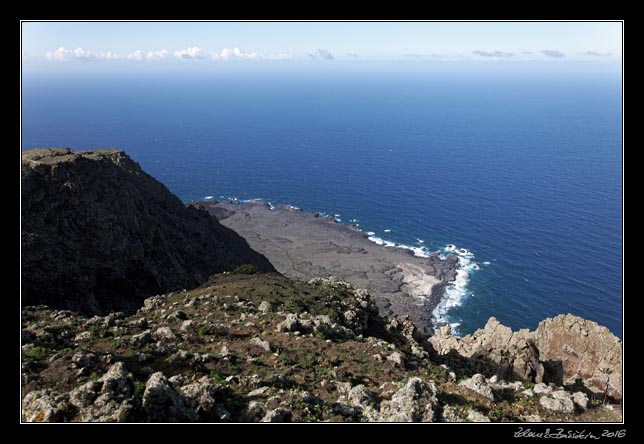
<point>100,235</point>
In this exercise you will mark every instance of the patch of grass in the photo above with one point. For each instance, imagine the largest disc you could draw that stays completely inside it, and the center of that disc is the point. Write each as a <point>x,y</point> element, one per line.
<point>219,379</point>
<point>94,376</point>
<point>283,359</point>
<point>139,388</point>
<point>37,352</point>
<point>65,350</point>
<point>308,360</point>
<point>92,328</point>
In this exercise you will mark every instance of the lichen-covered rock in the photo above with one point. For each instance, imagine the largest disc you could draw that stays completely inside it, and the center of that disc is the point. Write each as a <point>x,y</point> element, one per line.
<point>162,403</point>
<point>277,415</point>
<point>45,406</point>
<point>559,404</point>
<point>580,348</point>
<point>359,396</point>
<point>265,345</point>
<point>478,384</point>
<point>110,399</point>
<point>201,397</point>
<point>494,350</point>
<point>290,324</point>
<point>416,401</point>
<point>476,416</point>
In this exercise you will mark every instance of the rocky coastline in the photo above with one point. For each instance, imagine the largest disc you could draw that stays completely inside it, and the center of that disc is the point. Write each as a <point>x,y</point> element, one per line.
<point>304,245</point>
<point>137,308</point>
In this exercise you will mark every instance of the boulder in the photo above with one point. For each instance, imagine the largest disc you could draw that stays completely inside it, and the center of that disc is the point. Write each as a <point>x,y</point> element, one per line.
<point>575,348</point>
<point>416,401</point>
<point>478,384</point>
<point>277,415</point>
<point>162,403</point>
<point>45,406</point>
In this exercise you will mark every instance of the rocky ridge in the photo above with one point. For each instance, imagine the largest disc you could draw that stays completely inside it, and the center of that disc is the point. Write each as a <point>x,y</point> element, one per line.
<point>100,235</point>
<point>264,348</point>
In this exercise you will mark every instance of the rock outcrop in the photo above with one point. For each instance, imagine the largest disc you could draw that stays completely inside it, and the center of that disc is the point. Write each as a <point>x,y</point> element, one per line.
<point>100,235</point>
<point>578,348</point>
<point>564,350</point>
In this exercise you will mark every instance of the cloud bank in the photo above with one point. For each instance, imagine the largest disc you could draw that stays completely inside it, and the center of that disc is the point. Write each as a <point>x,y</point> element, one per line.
<point>553,53</point>
<point>321,54</point>
<point>494,54</point>
<point>598,54</point>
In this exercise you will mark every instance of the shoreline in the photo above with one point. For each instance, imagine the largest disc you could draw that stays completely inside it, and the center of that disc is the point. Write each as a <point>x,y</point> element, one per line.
<point>306,245</point>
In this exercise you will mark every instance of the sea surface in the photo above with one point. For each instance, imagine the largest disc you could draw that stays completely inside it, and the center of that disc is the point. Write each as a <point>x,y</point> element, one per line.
<point>520,168</point>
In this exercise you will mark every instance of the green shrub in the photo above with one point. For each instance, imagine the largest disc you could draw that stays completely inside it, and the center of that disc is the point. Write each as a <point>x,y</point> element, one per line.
<point>246,269</point>
<point>37,352</point>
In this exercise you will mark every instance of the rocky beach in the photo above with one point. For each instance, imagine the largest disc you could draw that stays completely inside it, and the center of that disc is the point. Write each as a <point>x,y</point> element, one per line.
<point>304,245</point>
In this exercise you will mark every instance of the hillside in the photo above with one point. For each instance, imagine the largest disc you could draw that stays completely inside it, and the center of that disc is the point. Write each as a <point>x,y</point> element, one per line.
<point>138,309</point>
<point>262,347</point>
<point>100,235</point>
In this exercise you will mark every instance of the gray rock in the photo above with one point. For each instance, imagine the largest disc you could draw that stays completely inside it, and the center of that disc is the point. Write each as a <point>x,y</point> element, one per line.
<point>291,323</point>
<point>162,403</point>
<point>396,358</point>
<point>542,389</point>
<point>261,344</point>
<point>359,396</point>
<point>201,397</point>
<point>266,307</point>
<point>141,338</point>
<point>110,399</point>
<point>255,411</point>
<point>45,406</point>
<point>476,416</point>
<point>451,414</point>
<point>164,333</point>
<point>277,415</point>
<point>258,392</point>
<point>580,400</point>
<point>416,401</point>
<point>340,408</point>
<point>478,384</point>
<point>82,336</point>
<point>558,405</point>
<point>185,325</point>
<point>85,395</point>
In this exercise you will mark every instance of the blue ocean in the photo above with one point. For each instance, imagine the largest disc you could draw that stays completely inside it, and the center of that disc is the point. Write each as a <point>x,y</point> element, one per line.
<point>521,166</point>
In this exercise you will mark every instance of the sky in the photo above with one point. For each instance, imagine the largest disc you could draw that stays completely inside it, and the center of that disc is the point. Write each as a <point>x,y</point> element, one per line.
<point>144,43</point>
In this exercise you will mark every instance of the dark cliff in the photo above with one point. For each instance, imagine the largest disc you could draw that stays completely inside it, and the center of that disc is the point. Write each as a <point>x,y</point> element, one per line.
<point>99,234</point>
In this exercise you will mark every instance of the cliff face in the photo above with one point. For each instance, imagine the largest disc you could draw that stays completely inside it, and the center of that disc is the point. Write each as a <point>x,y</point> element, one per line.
<point>564,350</point>
<point>99,234</point>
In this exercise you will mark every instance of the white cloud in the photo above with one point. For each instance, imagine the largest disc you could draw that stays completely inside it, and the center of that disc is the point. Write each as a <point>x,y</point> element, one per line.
<point>280,56</point>
<point>597,54</point>
<point>139,55</point>
<point>194,52</point>
<point>136,55</point>
<point>157,55</point>
<point>109,55</point>
<point>236,54</point>
<point>62,54</point>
